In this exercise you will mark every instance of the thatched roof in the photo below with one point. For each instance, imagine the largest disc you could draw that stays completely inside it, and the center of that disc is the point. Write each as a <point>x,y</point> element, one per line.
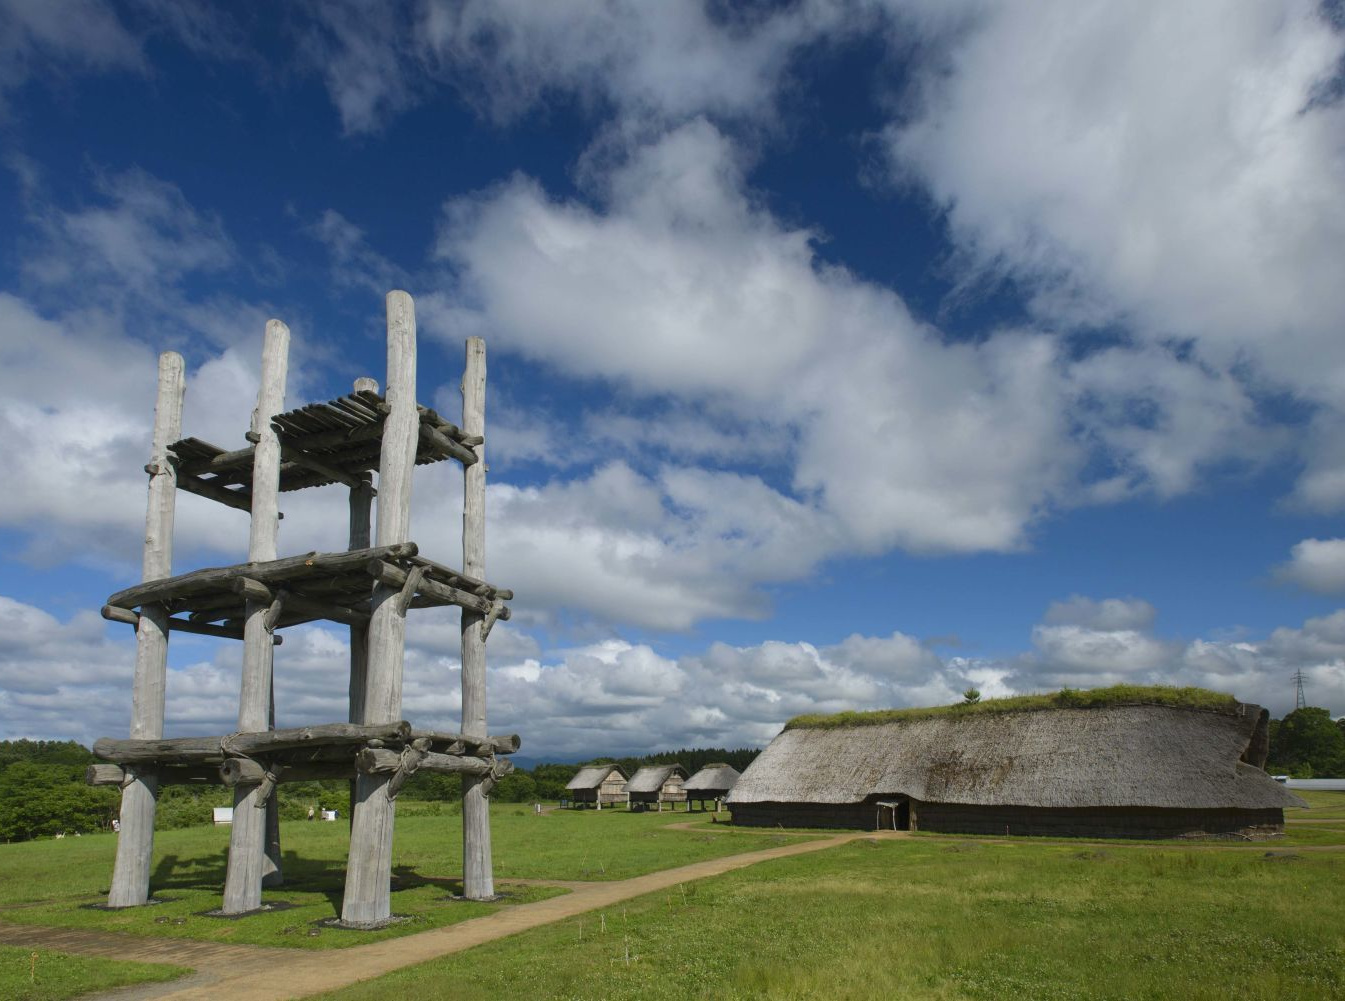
<point>1112,755</point>
<point>650,778</point>
<point>592,776</point>
<point>712,778</point>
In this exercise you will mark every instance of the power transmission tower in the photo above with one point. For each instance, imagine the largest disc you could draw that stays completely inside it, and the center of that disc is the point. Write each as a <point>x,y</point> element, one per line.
<point>1298,681</point>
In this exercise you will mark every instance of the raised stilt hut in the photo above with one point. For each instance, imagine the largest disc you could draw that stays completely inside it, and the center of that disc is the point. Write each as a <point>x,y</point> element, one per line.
<point>368,588</point>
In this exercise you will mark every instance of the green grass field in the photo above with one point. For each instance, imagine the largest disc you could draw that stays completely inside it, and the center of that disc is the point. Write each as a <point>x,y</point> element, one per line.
<point>41,975</point>
<point>943,919</point>
<point>59,883</point>
<point>921,917</point>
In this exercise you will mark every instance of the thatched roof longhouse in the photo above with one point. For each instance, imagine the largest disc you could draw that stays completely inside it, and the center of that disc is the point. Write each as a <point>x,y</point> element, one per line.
<point>1131,756</point>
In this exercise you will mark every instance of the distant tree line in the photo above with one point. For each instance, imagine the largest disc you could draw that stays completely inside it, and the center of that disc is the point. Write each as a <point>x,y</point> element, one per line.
<point>42,789</point>
<point>1306,744</point>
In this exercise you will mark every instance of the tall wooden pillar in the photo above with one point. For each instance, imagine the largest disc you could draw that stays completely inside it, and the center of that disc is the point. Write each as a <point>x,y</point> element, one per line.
<point>361,505</point>
<point>369,872</point>
<point>478,881</point>
<point>135,842</point>
<point>247,837</point>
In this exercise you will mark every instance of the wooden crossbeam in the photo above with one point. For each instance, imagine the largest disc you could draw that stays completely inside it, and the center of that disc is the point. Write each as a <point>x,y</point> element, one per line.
<point>270,572</point>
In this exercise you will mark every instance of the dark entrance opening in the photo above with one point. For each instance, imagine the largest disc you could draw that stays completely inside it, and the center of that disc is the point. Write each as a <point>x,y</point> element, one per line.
<point>893,814</point>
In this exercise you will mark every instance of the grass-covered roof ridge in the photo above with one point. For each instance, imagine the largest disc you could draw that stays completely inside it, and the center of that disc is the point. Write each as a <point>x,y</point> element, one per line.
<point>1067,698</point>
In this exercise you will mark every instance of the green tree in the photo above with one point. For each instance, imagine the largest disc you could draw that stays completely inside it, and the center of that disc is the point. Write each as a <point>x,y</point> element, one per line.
<point>1308,741</point>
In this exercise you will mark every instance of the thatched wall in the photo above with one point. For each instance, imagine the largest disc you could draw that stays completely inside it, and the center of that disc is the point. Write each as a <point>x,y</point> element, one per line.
<point>1137,769</point>
<point>1088,822</point>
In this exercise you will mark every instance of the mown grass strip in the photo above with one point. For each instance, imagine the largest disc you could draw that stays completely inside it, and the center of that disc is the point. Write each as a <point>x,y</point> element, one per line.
<point>42,975</point>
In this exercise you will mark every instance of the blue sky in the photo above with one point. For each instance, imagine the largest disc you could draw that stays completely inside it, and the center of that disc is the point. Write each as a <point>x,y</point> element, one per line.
<point>843,353</point>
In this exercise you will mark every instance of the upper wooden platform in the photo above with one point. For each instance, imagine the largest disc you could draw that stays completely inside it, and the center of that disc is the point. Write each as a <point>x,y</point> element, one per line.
<point>321,443</point>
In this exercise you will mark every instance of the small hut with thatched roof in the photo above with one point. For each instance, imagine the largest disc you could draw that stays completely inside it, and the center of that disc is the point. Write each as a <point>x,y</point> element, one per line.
<point>712,782</point>
<point>657,784</point>
<point>598,785</point>
<point>1121,762</point>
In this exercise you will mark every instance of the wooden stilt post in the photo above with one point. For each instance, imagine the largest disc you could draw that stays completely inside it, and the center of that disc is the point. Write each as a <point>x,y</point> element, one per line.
<point>273,872</point>
<point>478,880</point>
<point>247,837</point>
<point>369,872</point>
<point>135,842</point>
<point>361,504</point>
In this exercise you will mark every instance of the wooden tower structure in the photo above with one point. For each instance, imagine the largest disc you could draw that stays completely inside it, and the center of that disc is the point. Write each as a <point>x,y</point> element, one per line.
<point>370,587</point>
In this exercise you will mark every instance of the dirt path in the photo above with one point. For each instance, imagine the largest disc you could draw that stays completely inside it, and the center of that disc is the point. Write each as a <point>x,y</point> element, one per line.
<point>254,973</point>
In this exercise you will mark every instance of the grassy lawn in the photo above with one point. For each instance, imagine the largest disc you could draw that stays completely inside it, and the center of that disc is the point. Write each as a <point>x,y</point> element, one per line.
<point>40,975</point>
<point>1323,804</point>
<point>953,919</point>
<point>54,882</point>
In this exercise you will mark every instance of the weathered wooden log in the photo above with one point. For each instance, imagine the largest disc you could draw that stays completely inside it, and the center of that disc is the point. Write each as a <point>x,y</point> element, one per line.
<point>393,576</point>
<point>373,760</point>
<point>413,755</point>
<point>240,459</point>
<point>116,775</point>
<point>189,749</point>
<point>269,573</point>
<point>478,878</point>
<point>458,579</point>
<point>246,771</point>
<point>497,608</point>
<point>504,743</point>
<point>498,770</point>
<point>361,504</point>
<point>360,508</point>
<point>249,861</point>
<point>366,899</point>
<point>409,588</point>
<point>139,797</point>
<point>113,614</point>
<point>296,455</point>
<point>443,443</point>
<point>335,437</point>
<point>298,606</point>
<point>238,499</point>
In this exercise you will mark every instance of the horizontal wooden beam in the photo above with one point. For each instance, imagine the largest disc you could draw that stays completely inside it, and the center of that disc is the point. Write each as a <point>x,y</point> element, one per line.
<point>506,743</point>
<point>115,775</point>
<point>458,579</point>
<point>239,499</point>
<point>246,771</point>
<point>373,760</point>
<point>395,576</point>
<point>202,628</point>
<point>442,442</point>
<point>220,463</point>
<point>186,750</point>
<point>299,457</point>
<point>269,573</point>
